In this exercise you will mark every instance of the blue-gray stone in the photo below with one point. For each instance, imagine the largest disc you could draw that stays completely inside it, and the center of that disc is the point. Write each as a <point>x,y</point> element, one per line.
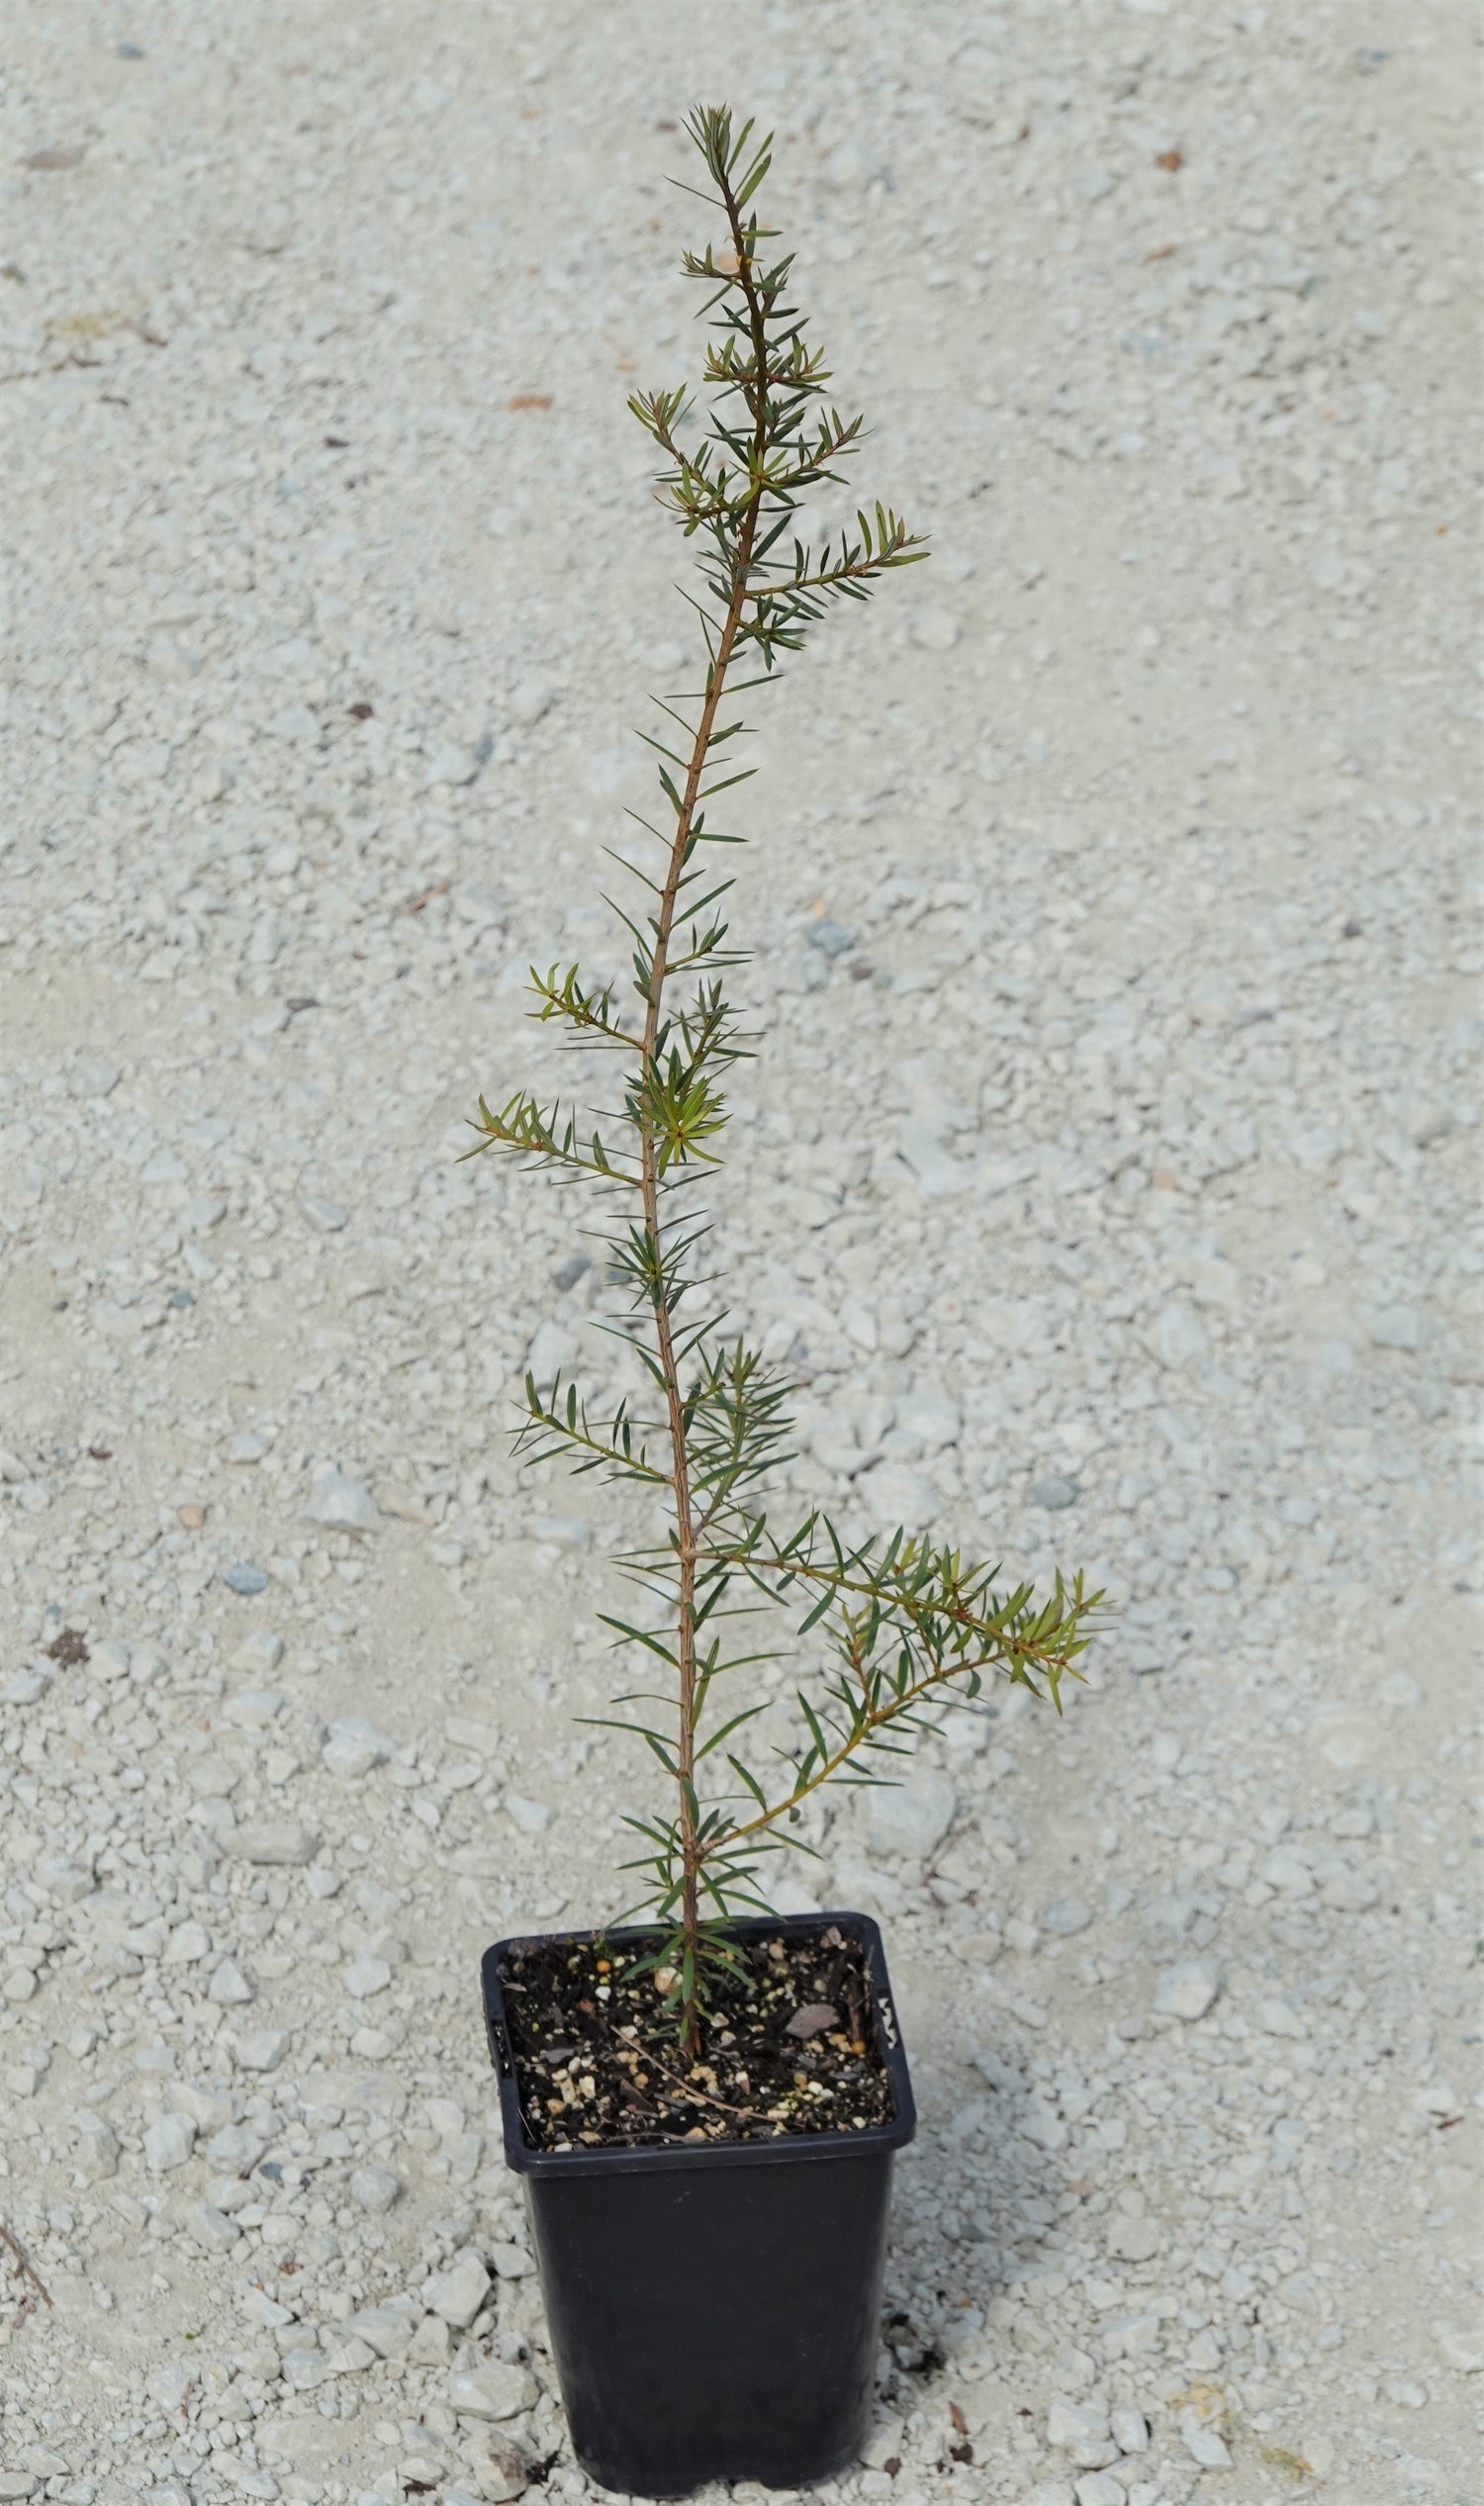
<point>1055,1494</point>
<point>244,1579</point>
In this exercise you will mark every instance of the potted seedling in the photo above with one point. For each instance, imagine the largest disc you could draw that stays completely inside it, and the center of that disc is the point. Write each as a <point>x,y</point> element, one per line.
<point>705,2103</point>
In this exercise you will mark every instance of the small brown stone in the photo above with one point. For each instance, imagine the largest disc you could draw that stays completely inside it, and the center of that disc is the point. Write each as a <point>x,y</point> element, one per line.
<point>812,2021</point>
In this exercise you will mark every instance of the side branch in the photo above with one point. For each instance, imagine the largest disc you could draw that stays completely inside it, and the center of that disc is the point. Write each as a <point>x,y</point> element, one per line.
<point>873,1721</point>
<point>520,1125</point>
<point>608,1443</point>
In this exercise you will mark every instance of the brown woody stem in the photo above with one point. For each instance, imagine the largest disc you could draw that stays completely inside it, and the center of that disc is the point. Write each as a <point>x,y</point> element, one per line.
<point>684,1532</point>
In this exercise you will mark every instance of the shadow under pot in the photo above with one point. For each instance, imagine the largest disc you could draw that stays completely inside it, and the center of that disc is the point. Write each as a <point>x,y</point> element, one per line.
<point>713,2308</point>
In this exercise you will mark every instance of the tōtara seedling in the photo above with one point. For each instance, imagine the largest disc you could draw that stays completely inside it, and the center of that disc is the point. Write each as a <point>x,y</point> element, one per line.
<point>907,1620</point>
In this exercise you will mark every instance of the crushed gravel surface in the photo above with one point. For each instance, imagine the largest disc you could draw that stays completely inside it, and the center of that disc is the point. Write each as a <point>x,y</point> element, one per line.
<point>1108,1178</point>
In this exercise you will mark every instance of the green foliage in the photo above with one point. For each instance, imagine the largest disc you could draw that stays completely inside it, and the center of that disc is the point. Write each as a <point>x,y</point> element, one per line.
<point>907,1623</point>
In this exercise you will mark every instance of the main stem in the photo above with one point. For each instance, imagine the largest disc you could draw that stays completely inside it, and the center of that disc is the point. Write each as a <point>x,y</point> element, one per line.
<point>684,1530</point>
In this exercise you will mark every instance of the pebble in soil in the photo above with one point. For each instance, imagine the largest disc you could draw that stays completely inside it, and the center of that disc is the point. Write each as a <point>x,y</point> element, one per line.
<point>788,2047</point>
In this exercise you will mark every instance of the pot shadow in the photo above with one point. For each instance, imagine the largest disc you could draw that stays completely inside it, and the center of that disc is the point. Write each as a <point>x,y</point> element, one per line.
<point>973,2207</point>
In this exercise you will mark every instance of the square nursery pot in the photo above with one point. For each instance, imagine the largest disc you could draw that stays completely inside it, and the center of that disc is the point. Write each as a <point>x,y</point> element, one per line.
<point>714,2310</point>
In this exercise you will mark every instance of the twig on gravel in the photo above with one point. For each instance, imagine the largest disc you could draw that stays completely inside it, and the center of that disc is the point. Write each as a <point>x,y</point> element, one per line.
<point>24,2264</point>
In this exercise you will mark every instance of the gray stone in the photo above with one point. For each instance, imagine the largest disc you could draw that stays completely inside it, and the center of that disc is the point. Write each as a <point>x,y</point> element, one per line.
<point>1134,2241</point>
<point>375,2188</point>
<point>452,764</point>
<point>494,2391</point>
<point>511,2262</point>
<point>977,1948</point>
<point>169,2385</point>
<point>228,1987</point>
<point>1073,2426</point>
<point>911,1818</point>
<point>935,631</point>
<point>1130,2429</point>
<point>458,2293</point>
<point>263,1650</point>
<point>347,2355</point>
<point>261,2049</point>
<point>92,1078</point>
<point>210,2109</point>
<point>366,1976</point>
<point>355,1745</point>
<point>341,1504</point>
<point>66,1881</point>
<point>432,2342</point>
<point>1178,1335</point>
<point>97,2148</point>
<point>1287,1872</point>
<point>1189,1990</point>
<point>276,1841</point>
<point>849,168</point>
<point>254,1709</point>
<point>895,1494</point>
<point>245,1578</point>
<point>168,2143</point>
<point>387,2328</point>
<point>235,2148</point>
<point>1462,2345</point>
<point>214,2230</point>
<point>1277,2017</point>
<point>304,2369</point>
<point>921,1145</point>
<point>552,1350</point>
<point>564,1531</point>
<point>505,2468</point>
<point>1203,2445</point>
<point>929,1420</point>
<point>1400,1327</point>
<point>1399,1688</point>
<point>1065,1916</point>
<point>529,699</point>
<point>327,1216</point>
<point>1100,2488</point>
<point>1055,1494</point>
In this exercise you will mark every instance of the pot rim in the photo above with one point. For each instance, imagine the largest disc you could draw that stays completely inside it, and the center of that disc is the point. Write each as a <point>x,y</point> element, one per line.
<point>790,2149</point>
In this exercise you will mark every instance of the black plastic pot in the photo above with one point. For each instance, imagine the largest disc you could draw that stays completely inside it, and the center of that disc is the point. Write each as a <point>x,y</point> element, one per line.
<point>714,2311</point>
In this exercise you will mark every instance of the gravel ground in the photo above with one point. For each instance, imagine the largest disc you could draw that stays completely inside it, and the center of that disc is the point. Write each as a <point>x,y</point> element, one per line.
<point>1107,1175</point>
